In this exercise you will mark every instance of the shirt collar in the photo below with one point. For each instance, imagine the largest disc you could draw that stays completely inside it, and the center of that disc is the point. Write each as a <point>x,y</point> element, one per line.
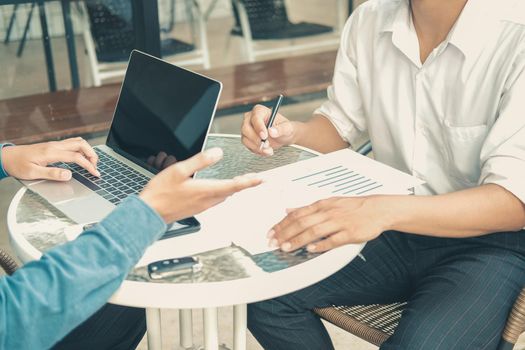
<point>469,34</point>
<point>473,27</point>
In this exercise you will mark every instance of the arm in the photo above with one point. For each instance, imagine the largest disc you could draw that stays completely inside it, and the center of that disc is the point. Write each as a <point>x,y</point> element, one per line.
<point>344,220</point>
<point>468,213</point>
<point>335,125</point>
<point>46,299</point>
<point>319,134</point>
<point>496,205</point>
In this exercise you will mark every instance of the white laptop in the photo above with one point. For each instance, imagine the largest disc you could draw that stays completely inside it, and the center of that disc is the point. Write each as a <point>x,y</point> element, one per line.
<point>163,113</point>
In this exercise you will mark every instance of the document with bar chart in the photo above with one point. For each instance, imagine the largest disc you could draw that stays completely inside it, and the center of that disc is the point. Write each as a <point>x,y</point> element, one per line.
<point>344,173</point>
<point>341,173</point>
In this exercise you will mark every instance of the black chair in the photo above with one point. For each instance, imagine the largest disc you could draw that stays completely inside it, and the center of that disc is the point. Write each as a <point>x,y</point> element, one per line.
<point>268,20</point>
<point>109,37</point>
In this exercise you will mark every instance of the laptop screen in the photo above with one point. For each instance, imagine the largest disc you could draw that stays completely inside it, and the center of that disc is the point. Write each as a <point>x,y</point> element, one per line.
<point>163,113</point>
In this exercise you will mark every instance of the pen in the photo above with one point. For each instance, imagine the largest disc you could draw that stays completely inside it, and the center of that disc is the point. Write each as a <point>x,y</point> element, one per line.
<point>275,109</point>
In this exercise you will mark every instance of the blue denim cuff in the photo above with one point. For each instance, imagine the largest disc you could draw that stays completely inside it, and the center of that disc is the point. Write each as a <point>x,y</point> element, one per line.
<point>3,173</point>
<point>134,224</point>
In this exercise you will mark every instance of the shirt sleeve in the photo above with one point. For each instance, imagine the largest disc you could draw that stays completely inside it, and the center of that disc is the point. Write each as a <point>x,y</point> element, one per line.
<point>3,173</point>
<point>344,107</point>
<point>46,299</point>
<point>503,153</point>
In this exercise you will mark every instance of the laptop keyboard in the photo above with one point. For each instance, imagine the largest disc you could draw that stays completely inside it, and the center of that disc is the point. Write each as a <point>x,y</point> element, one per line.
<point>117,180</point>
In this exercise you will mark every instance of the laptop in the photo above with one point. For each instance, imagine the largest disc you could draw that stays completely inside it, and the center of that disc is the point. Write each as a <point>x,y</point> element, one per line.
<point>163,114</point>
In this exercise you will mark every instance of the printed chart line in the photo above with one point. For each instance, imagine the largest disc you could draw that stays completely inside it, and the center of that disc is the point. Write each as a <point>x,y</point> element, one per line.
<point>340,180</point>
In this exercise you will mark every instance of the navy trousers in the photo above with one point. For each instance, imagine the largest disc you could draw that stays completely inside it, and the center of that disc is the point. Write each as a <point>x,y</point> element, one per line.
<point>459,293</point>
<point>113,327</point>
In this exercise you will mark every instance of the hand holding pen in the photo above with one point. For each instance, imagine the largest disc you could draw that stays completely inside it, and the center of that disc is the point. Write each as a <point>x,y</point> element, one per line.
<point>265,130</point>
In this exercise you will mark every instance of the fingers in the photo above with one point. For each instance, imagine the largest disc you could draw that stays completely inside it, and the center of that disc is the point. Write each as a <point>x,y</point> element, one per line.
<point>335,240</point>
<point>259,117</point>
<point>159,160</point>
<point>198,162</point>
<point>290,228</point>
<point>310,236</point>
<point>75,157</point>
<point>225,188</point>
<point>294,215</point>
<point>78,144</point>
<point>250,138</point>
<point>47,173</point>
<point>169,162</point>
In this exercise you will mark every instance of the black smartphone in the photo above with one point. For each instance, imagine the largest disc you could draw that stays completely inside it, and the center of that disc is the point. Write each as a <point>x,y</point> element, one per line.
<point>182,227</point>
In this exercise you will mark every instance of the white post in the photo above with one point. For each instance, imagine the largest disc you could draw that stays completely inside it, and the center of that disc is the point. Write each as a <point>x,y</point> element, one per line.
<point>186,328</point>
<point>246,30</point>
<point>211,332</point>
<point>205,52</point>
<point>154,331</point>
<point>240,321</point>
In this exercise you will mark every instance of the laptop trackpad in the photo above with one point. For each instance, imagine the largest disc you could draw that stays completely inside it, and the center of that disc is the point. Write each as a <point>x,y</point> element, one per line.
<point>92,208</point>
<point>56,192</point>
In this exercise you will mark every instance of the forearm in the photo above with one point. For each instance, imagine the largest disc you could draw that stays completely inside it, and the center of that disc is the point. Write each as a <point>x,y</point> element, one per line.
<point>467,213</point>
<point>319,134</point>
<point>52,296</point>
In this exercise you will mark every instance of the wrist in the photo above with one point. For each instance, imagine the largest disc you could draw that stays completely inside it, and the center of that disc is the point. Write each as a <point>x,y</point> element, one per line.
<point>298,130</point>
<point>392,216</point>
<point>5,159</point>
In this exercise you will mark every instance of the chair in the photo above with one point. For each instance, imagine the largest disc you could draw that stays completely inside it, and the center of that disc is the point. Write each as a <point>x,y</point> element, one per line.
<point>109,38</point>
<point>268,20</point>
<point>7,263</point>
<point>376,323</point>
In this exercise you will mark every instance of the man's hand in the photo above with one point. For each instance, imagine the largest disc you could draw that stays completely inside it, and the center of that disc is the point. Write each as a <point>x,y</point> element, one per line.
<point>175,195</point>
<point>254,130</point>
<point>329,223</point>
<point>30,162</point>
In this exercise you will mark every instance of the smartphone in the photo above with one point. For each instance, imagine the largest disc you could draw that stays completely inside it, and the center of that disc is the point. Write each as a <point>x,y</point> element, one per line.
<point>182,227</point>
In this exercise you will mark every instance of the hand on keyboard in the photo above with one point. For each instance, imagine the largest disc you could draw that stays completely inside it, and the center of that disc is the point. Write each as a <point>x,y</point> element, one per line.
<point>30,162</point>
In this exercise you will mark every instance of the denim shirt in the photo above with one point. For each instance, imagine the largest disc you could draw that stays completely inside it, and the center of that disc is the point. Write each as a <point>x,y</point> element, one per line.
<point>46,299</point>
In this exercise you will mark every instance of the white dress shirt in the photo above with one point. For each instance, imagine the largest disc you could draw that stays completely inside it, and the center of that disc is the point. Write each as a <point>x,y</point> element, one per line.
<point>456,121</point>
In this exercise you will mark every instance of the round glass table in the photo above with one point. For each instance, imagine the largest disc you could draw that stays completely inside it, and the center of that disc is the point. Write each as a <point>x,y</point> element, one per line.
<point>229,276</point>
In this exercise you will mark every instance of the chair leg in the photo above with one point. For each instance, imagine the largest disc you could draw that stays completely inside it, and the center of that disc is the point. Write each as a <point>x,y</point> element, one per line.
<point>22,44</point>
<point>246,30</point>
<point>10,25</point>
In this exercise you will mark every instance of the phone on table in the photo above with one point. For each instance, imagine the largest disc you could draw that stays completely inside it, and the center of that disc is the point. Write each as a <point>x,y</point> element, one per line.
<point>182,227</point>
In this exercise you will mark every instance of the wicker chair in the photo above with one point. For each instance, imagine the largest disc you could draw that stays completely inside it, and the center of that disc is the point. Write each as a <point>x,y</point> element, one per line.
<point>376,323</point>
<point>7,263</point>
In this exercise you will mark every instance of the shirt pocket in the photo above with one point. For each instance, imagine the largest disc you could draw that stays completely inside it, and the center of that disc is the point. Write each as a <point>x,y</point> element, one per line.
<point>462,146</point>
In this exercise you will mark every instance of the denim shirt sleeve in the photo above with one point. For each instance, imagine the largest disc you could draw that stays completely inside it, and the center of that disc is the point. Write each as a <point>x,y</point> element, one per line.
<point>3,173</point>
<point>46,299</point>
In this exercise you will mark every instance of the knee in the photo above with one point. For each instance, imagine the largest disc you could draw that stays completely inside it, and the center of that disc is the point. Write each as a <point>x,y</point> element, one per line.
<point>269,311</point>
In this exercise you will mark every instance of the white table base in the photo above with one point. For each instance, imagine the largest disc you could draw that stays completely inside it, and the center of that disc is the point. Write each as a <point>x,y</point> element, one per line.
<point>240,321</point>
<point>154,331</point>
<point>211,329</point>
